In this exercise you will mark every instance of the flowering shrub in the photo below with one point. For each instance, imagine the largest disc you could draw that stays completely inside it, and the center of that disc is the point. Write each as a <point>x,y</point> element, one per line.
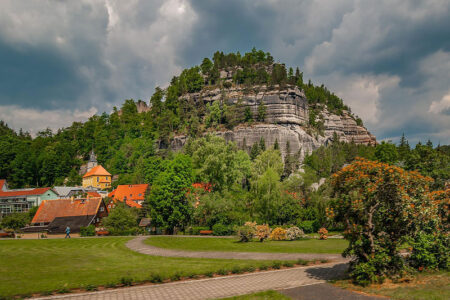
<point>323,232</point>
<point>294,233</point>
<point>247,232</point>
<point>442,200</point>
<point>262,232</point>
<point>278,234</point>
<point>380,205</point>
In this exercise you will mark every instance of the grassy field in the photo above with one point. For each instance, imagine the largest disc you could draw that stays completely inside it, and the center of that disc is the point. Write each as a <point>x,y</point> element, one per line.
<point>430,286</point>
<point>267,295</point>
<point>40,266</point>
<point>228,244</point>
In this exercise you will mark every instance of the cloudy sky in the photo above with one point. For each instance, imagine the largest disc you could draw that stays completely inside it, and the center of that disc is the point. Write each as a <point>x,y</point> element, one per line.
<point>62,61</point>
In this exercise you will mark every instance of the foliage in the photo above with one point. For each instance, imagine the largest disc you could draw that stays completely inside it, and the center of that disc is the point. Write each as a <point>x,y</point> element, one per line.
<point>167,202</point>
<point>217,162</point>
<point>278,234</point>
<point>247,232</point>
<point>380,205</point>
<point>323,233</point>
<point>308,226</point>
<point>294,233</point>
<point>430,251</point>
<point>222,230</point>
<point>15,221</point>
<point>386,152</point>
<point>87,231</point>
<point>262,232</point>
<point>121,220</point>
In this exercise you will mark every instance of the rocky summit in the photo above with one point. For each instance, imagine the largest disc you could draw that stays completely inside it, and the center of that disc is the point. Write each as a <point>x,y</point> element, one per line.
<point>286,120</point>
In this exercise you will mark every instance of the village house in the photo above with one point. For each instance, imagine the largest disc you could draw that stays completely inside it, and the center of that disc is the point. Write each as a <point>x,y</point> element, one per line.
<point>55,215</point>
<point>21,200</point>
<point>132,195</point>
<point>96,176</point>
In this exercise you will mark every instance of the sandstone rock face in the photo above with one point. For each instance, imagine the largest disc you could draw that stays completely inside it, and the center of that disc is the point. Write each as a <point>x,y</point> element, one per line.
<point>287,115</point>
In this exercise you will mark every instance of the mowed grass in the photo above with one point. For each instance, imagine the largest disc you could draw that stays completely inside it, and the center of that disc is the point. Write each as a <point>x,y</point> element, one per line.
<point>430,286</point>
<point>40,266</point>
<point>230,244</point>
<point>267,295</point>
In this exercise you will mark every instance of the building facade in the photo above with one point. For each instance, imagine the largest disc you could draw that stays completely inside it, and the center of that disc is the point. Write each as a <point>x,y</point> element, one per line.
<point>21,200</point>
<point>97,177</point>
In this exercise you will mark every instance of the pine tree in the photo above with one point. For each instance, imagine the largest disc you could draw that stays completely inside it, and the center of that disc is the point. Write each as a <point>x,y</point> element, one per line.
<point>254,152</point>
<point>261,112</point>
<point>276,146</point>
<point>262,144</point>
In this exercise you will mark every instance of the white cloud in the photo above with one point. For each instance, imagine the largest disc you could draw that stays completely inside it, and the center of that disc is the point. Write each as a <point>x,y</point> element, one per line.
<point>33,120</point>
<point>437,107</point>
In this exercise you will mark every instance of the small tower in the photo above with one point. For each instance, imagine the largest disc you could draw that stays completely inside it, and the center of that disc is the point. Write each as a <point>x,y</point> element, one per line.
<point>92,161</point>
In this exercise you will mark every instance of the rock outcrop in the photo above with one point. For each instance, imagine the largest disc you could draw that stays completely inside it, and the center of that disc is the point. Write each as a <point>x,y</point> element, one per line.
<point>287,115</point>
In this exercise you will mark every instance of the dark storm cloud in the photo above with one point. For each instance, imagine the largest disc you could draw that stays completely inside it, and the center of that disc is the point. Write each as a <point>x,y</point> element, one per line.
<point>38,78</point>
<point>390,60</point>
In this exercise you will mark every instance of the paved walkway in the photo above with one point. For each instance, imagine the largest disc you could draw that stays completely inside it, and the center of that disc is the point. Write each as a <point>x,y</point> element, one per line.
<point>137,244</point>
<point>220,287</point>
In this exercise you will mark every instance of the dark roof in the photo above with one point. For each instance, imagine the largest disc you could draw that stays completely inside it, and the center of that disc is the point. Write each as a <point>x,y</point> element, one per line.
<point>59,224</point>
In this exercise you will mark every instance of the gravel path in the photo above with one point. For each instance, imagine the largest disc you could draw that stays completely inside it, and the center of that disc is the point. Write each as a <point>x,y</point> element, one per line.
<point>138,245</point>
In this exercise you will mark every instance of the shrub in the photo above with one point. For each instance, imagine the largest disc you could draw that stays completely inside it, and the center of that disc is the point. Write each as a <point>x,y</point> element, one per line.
<point>221,230</point>
<point>262,232</point>
<point>278,234</point>
<point>382,205</point>
<point>323,232</point>
<point>294,233</point>
<point>247,232</point>
<point>155,278</point>
<point>87,231</point>
<point>276,265</point>
<point>309,226</point>
<point>126,281</point>
<point>430,251</point>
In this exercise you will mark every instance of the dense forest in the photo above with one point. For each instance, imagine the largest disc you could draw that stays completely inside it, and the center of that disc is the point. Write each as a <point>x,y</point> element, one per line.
<point>124,139</point>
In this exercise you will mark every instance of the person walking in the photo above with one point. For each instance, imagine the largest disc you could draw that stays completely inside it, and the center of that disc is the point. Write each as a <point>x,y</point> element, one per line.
<point>67,232</point>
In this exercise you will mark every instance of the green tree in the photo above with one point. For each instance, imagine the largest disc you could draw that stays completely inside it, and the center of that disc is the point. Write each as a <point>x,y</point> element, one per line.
<point>121,220</point>
<point>167,201</point>
<point>262,111</point>
<point>386,152</point>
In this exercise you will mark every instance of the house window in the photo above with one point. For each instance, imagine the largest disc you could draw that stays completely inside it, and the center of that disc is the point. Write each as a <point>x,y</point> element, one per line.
<point>98,178</point>
<point>102,208</point>
<point>98,220</point>
<point>140,195</point>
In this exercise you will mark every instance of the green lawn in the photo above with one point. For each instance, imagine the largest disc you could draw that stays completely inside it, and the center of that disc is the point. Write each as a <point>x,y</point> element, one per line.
<point>228,244</point>
<point>430,286</point>
<point>31,266</point>
<point>267,295</point>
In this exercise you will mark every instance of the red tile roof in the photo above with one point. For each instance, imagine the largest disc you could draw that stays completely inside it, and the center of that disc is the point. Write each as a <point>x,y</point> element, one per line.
<point>50,209</point>
<point>134,192</point>
<point>97,171</point>
<point>2,183</point>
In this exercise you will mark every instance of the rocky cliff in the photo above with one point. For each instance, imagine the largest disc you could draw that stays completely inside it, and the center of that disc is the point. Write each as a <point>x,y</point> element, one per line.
<point>287,116</point>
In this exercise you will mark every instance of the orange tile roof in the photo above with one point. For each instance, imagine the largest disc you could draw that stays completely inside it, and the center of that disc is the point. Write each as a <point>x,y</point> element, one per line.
<point>50,209</point>
<point>93,194</point>
<point>111,195</point>
<point>133,204</point>
<point>2,183</point>
<point>132,192</point>
<point>13,193</point>
<point>97,171</point>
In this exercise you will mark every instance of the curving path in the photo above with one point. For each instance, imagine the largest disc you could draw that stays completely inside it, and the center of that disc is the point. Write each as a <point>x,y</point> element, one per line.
<point>137,244</point>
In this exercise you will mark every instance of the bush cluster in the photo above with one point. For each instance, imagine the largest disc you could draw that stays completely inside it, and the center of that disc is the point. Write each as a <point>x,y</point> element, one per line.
<point>87,231</point>
<point>294,233</point>
<point>278,234</point>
